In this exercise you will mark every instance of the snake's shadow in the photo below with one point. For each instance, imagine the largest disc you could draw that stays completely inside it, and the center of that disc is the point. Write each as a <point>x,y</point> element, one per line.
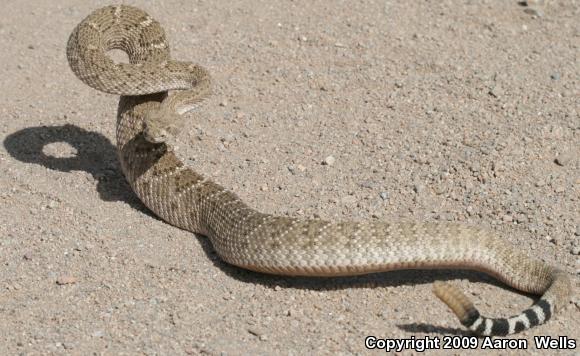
<point>95,154</point>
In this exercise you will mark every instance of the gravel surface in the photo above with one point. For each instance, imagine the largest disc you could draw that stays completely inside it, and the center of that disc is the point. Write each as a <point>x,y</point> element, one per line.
<point>418,110</point>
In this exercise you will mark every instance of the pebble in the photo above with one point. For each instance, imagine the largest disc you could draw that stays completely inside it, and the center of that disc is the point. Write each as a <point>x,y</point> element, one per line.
<point>367,184</point>
<point>259,333</point>
<point>522,218</point>
<point>577,232</point>
<point>228,138</point>
<point>496,91</point>
<point>576,300</point>
<point>507,218</point>
<point>575,250</point>
<point>329,161</point>
<point>384,195</point>
<point>550,239</point>
<point>418,188</point>
<point>555,76</point>
<point>563,159</point>
<point>66,279</point>
<point>534,12</point>
<point>560,189</point>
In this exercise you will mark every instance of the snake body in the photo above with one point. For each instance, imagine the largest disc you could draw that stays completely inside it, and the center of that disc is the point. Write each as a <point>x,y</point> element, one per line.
<point>156,90</point>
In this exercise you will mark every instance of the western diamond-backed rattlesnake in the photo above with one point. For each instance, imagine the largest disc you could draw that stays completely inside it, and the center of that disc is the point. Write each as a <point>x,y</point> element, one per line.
<point>148,116</point>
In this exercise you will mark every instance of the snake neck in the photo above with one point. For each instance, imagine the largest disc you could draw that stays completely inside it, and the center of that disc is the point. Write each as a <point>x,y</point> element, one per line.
<point>173,191</point>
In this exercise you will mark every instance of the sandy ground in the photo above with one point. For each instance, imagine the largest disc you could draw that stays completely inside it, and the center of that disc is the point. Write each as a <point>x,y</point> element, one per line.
<point>432,110</point>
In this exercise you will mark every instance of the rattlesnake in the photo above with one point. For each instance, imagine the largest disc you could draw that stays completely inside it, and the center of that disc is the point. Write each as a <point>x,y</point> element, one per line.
<point>148,115</point>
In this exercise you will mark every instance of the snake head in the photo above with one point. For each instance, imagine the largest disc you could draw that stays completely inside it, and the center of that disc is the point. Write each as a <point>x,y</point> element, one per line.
<point>161,125</point>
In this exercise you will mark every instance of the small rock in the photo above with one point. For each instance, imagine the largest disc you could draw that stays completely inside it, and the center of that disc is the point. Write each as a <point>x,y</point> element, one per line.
<point>384,195</point>
<point>259,333</point>
<point>277,288</point>
<point>577,232</point>
<point>555,76</point>
<point>292,169</point>
<point>367,184</point>
<point>329,161</point>
<point>300,167</point>
<point>66,279</point>
<point>534,2</point>
<point>224,103</point>
<point>534,12</point>
<point>550,239</point>
<point>27,256</point>
<point>575,250</point>
<point>418,188</point>
<point>507,218</point>
<point>496,92</point>
<point>576,300</point>
<point>228,138</point>
<point>563,159</point>
<point>522,218</point>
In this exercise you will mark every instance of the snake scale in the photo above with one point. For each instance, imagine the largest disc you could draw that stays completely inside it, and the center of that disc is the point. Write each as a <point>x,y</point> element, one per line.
<point>155,93</point>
